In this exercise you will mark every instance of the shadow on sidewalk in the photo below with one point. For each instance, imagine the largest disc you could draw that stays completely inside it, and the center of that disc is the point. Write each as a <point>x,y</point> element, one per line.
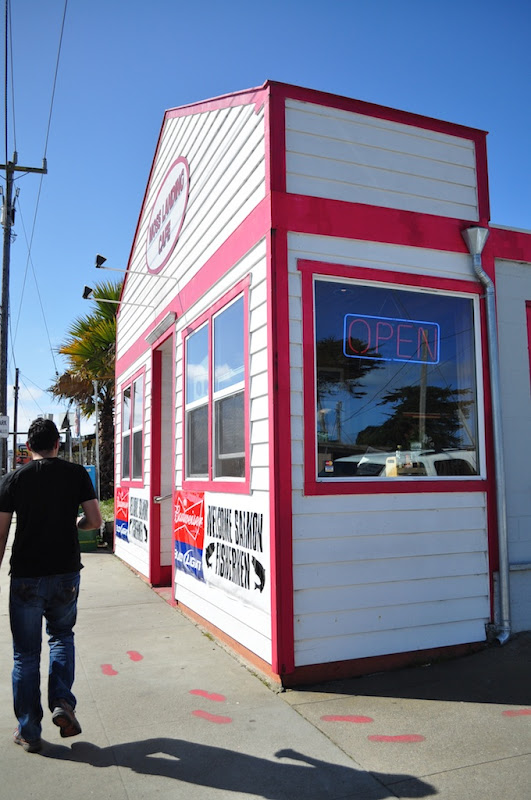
<point>219,768</point>
<point>494,675</point>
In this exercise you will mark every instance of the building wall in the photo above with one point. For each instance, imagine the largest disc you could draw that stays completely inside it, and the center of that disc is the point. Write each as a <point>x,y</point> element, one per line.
<point>245,616</point>
<point>226,156</point>
<point>346,156</point>
<point>380,573</point>
<point>513,289</point>
<point>135,551</point>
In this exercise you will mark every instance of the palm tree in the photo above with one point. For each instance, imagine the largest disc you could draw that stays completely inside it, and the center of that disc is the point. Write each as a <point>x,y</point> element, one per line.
<point>90,349</point>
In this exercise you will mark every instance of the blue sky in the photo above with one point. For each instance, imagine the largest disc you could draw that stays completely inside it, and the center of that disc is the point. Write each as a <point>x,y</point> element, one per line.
<point>123,63</point>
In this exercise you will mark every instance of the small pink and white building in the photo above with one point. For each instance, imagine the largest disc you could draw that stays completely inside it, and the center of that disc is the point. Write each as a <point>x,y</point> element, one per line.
<point>320,446</point>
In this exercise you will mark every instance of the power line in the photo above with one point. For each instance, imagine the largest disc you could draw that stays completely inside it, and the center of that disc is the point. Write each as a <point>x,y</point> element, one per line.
<point>30,261</point>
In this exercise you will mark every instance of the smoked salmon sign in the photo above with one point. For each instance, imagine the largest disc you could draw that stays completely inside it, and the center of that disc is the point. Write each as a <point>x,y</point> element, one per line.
<point>167,216</point>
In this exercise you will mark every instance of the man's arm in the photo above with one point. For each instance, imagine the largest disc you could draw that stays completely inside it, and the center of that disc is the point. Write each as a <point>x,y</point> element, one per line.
<point>91,519</point>
<point>5,523</point>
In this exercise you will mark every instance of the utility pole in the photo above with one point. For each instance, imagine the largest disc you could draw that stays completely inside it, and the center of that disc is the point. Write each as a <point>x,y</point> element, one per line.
<point>15,419</point>
<point>8,219</point>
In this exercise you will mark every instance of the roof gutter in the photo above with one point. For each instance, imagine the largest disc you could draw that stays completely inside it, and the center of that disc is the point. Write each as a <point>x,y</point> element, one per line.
<point>475,239</point>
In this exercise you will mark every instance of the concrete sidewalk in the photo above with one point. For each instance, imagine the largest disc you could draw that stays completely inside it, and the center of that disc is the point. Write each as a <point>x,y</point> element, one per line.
<point>166,713</point>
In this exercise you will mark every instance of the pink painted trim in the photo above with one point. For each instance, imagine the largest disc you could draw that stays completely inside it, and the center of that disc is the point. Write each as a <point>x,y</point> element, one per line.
<point>155,467</point>
<point>256,97</point>
<point>280,482</point>
<point>180,160</point>
<point>213,484</point>
<point>388,276</point>
<point>511,245</point>
<point>137,483</point>
<point>159,575</point>
<point>528,319</point>
<point>248,233</point>
<point>338,218</point>
<point>396,486</point>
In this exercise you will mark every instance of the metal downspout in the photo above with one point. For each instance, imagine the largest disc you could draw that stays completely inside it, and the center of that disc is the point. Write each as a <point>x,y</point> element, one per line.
<point>504,628</point>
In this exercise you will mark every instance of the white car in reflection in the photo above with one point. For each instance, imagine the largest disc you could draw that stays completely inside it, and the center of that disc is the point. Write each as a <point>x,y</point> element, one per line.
<point>446,463</point>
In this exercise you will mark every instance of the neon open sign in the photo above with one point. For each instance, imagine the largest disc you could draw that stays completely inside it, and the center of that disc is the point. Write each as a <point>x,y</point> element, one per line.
<point>390,339</point>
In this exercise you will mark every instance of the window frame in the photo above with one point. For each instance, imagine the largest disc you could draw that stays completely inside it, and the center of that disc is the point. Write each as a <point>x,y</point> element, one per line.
<point>130,481</point>
<point>209,482</point>
<point>312,270</point>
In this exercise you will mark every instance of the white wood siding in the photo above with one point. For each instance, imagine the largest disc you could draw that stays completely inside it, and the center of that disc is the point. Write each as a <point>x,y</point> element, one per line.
<point>345,156</point>
<point>248,625</point>
<point>225,151</point>
<point>386,573</point>
<point>513,288</point>
<point>133,553</point>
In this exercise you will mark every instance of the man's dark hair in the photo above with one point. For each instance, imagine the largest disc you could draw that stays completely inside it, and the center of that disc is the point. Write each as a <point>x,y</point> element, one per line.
<point>42,435</point>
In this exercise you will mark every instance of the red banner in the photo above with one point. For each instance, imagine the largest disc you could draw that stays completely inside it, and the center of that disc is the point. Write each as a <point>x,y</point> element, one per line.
<point>189,518</point>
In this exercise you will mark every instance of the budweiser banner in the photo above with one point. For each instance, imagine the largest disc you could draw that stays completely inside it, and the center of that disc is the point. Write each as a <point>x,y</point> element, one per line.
<point>189,532</point>
<point>121,506</point>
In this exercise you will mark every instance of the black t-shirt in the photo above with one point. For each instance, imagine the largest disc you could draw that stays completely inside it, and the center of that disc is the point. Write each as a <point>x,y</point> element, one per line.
<point>45,494</point>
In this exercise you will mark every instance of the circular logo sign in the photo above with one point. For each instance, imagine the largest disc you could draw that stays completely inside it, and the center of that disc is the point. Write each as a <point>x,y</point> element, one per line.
<point>167,215</point>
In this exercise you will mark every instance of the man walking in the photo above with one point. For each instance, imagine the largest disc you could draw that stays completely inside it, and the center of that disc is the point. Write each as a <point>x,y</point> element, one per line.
<point>45,495</point>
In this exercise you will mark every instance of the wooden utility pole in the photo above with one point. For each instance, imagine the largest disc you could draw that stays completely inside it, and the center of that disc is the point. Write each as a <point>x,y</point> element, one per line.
<point>15,419</point>
<point>8,219</point>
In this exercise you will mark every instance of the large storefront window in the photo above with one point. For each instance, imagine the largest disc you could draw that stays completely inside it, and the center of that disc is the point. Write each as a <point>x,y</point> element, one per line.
<point>395,382</point>
<point>215,414</point>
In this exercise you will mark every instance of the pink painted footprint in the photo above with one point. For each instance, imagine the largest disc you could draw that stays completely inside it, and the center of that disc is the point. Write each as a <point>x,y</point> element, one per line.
<point>107,669</point>
<point>134,656</point>
<point>212,717</point>
<point>216,698</point>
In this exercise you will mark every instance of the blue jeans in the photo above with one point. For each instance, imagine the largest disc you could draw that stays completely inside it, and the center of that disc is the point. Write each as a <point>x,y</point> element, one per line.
<point>53,597</point>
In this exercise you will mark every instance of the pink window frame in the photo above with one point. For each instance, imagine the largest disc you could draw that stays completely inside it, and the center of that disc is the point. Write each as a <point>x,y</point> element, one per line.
<point>132,482</point>
<point>309,270</point>
<point>236,486</point>
<point>528,320</point>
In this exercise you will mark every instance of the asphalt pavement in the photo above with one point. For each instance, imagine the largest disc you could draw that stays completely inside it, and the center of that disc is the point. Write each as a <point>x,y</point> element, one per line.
<point>168,713</point>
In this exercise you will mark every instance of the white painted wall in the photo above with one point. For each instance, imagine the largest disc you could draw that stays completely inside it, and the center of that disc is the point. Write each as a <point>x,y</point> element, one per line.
<point>247,622</point>
<point>225,151</point>
<point>134,553</point>
<point>386,573</point>
<point>359,159</point>
<point>513,288</point>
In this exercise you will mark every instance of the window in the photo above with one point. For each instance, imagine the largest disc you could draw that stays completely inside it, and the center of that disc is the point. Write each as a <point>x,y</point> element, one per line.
<point>132,430</point>
<point>395,382</point>
<point>215,405</point>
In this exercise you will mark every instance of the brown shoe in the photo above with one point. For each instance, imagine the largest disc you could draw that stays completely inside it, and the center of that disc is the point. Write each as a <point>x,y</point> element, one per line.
<point>63,716</point>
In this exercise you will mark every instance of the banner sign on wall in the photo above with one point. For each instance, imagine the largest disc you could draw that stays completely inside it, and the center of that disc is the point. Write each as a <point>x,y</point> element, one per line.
<point>235,555</point>
<point>138,519</point>
<point>122,514</point>
<point>189,532</point>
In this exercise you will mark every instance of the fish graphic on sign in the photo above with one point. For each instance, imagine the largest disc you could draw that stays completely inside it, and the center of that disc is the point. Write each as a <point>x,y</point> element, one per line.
<point>189,532</point>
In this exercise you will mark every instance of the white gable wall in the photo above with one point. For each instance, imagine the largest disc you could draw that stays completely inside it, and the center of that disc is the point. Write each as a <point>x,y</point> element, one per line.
<point>225,152</point>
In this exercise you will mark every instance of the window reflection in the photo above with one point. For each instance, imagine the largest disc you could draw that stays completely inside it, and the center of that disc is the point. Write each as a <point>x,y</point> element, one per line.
<point>395,382</point>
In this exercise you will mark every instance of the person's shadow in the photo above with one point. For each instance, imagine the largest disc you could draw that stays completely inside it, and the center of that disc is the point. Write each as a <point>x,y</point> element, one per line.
<point>219,768</point>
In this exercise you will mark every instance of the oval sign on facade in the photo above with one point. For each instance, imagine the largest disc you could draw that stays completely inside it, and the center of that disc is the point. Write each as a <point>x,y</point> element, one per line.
<point>167,215</point>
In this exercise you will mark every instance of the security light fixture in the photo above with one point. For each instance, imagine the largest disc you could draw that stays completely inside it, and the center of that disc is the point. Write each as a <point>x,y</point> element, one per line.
<point>100,261</point>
